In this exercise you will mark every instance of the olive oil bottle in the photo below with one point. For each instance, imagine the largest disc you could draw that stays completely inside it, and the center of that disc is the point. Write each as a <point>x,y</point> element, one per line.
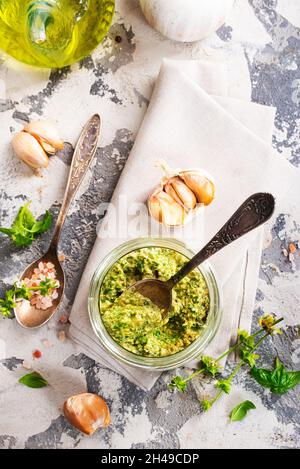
<point>53,33</point>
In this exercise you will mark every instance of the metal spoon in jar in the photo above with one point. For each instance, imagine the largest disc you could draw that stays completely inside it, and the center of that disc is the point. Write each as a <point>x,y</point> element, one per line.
<point>29,316</point>
<point>255,211</point>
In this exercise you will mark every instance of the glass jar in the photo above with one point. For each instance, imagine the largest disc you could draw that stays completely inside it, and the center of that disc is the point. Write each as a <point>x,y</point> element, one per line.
<point>157,363</point>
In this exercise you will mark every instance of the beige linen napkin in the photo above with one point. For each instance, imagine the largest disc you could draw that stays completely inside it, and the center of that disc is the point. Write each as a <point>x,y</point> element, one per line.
<point>200,115</point>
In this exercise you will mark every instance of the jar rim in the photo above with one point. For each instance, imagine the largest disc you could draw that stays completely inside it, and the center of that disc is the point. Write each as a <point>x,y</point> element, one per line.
<point>154,363</point>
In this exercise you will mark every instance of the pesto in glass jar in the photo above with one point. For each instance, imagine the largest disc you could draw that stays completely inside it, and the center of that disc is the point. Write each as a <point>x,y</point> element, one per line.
<point>134,322</point>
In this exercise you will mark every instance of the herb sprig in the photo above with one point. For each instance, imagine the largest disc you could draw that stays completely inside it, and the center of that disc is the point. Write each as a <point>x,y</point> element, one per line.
<point>279,380</point>
<point>26,228</point>
<point>21,291</point>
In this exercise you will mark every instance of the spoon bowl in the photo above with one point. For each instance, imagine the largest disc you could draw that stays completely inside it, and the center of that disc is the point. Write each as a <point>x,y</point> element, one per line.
<point>29,316</point>
<point>157,291</point>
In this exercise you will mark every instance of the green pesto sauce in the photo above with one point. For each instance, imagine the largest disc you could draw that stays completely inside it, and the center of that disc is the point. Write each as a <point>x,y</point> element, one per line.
<point>134,322</point>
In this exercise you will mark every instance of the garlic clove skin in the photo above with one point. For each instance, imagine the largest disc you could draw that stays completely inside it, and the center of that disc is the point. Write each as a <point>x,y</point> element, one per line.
<point>47,147</point>
<point>28,149</point>
<point>87,412</point>
<point>165,209</point>
<point>180,192</point>
<point>200,185</point>
<point>46,132</point>
<point>155,208</point>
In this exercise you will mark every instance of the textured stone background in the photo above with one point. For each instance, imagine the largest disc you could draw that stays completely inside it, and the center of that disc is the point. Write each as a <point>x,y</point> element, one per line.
<point>117,82</point>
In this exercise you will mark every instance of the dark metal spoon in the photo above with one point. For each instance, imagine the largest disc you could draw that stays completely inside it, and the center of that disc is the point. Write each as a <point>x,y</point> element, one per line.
<point>252,213</point>
<point>82,158</point>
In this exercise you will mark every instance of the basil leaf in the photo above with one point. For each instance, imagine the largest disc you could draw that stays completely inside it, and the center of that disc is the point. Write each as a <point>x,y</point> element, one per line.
<point>40,227</point>
<point>24,219</point>
<point>241,410</point>
<point>7,231</point>
<point>25,227</point>
<point>21,240</point>
<point>262,376</point>
<point>33,380</point>
<point>279,380</point>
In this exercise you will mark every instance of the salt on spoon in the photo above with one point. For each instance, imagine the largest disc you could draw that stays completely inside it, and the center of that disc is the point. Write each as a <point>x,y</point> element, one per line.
<point>28,315</point>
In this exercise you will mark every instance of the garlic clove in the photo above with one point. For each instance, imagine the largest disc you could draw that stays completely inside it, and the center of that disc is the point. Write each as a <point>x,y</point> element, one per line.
<point>165,209</point>
<point>47,147</point>
<point>202,187</point>
<point>28,149</point>
<point>177,189</point>
<point>87,412</point>
<point>46,132</point>
<point>154,207</point>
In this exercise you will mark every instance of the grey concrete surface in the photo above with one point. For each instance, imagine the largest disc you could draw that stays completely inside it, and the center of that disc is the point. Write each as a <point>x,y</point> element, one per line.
<point>117,82</point>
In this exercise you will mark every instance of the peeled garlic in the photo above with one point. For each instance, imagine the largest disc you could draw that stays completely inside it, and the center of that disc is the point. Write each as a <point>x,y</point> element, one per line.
<point>28,149</point>
<point>180,195</point>
<point>46,133</point>
<point>35,141</point>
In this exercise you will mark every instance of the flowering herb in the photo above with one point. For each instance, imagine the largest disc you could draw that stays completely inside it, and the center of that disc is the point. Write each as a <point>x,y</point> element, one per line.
<point>268,323</point>
<point>179,383</point>
<point>206,405</point>
<point>210,366</point>
<point>278,380</point>
<point>224,385</point>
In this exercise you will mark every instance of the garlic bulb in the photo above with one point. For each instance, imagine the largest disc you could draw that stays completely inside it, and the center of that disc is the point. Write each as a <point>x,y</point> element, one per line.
<point>87,412</point>
<point>186,20</point>
<point>180,195</point>
<point>35,141</point>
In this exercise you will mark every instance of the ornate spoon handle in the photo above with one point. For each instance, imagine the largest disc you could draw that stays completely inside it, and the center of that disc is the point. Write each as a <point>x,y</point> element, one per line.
<point>252,213</point>
<point>82,158</point>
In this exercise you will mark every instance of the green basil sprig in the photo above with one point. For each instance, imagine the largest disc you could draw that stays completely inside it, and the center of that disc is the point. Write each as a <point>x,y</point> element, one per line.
<point>26,228</point>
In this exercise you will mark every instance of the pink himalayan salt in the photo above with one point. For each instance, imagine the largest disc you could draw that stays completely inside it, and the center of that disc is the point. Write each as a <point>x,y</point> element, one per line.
<point>62,336</point>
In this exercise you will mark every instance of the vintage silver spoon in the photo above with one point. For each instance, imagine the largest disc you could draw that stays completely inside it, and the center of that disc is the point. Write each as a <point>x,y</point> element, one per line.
<point>82,158</point>
<point>255,211</point>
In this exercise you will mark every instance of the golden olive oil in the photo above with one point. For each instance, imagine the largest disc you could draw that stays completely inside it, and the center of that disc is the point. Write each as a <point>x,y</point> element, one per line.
<point>53,33</point>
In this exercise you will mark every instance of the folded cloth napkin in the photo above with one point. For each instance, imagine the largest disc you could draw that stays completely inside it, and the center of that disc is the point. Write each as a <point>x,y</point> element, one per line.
<point>200,116</point>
